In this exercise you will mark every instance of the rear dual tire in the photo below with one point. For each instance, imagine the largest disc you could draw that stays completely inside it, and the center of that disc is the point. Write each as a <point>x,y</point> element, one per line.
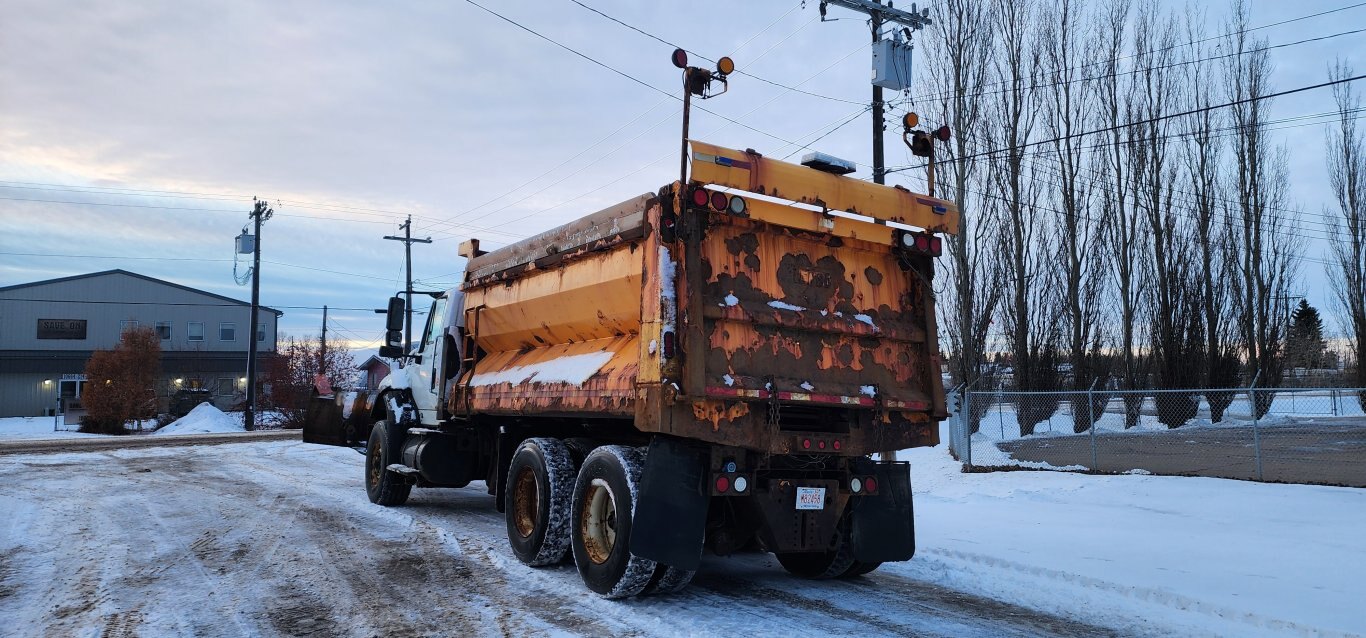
<point>604,504</point>
<point>540,485</point>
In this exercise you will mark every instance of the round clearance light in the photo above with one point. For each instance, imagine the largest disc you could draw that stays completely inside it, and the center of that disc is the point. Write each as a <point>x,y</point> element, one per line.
<point>836,443</point>
<point>806,444</point>
<point>720,201</point>
<point>943,133</point>
<point>700,197</point>
<point>910,120</point>
<point>722,484</point>
<point>855,485</point>
<point>680,58</point>
<point>820,444</point>
<point>738,206</point>
<point>870,484</point>
<point>725,66</point>
<point>741,483</point>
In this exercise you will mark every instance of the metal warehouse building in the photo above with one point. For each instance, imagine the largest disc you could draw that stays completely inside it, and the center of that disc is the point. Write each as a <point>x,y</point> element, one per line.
<point>48,330</point>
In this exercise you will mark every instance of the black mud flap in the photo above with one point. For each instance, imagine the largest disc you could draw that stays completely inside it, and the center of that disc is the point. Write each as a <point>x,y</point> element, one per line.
<point>670,520</point>
<point>883,526</point>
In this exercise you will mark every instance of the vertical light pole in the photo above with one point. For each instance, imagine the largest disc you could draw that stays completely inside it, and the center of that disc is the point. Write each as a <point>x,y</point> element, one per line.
<point>259,213</point>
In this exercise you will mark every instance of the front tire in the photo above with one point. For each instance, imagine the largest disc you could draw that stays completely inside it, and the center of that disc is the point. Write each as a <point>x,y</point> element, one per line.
<point>382,486</point>
<point>537,501</point>
<point>604,502</point>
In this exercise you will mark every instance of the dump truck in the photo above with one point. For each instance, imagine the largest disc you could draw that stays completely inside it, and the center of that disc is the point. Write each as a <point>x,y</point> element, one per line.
<point>717,366</point>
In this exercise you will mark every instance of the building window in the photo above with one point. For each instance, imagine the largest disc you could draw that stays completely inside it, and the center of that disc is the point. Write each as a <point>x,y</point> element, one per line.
<point>226,387</point>
<point>227,332</point>
<point>164,330</point>
<point>260,332</point>
<point>195,331</point>
<point>127,324</point>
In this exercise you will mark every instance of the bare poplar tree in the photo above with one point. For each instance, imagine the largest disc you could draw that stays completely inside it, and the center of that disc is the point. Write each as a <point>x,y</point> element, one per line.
<point>1069,104</point>
<point>1347,176</point>
<point>1269,246</point>
<point>963,41</point>
<point>1212,232</point>
<point>1029,321</point>
<point>1116,98</point>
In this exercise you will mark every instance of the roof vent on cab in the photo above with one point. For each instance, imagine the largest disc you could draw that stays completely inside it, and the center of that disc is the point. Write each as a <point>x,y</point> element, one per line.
<point>828,163</point>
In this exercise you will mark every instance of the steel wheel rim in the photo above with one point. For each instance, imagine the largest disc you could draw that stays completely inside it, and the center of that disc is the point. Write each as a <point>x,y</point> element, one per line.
<point>598,524</point>
<point>525,502</point>
<point>375,469</point>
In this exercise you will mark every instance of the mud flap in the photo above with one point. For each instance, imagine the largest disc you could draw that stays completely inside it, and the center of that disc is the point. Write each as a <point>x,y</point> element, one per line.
<point>883,526</point>
<point>670,520</point>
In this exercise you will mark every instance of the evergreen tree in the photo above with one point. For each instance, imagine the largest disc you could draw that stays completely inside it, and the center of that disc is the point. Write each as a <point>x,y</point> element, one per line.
<point>1306,347</point>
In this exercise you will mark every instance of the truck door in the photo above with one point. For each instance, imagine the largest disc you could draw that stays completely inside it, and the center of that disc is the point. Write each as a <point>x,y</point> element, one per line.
<point>426,389</point>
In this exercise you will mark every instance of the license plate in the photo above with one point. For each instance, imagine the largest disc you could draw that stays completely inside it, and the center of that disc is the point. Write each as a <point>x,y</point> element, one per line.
<point>810,498</point>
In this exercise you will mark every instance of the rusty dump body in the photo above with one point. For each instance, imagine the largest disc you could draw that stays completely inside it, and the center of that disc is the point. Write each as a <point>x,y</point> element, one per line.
<point>758,329</point>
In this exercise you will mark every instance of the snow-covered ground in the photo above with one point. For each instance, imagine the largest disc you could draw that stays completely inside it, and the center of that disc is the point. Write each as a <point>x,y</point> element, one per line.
<point>34,427</point>
<point>1169,555</point>
<point>279,539</point>
<point>42,427</point>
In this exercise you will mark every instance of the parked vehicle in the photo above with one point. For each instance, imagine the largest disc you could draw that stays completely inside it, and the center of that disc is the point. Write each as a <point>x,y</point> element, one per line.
<point>186,399</point>
<point>709,366</point>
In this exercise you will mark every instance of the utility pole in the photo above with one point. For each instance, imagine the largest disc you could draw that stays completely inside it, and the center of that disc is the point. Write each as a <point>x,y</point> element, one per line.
<point>322,348</point>
<point>408,242</point>
<point>879,161</point>
<point>880,14</point>
<point>259,213</point>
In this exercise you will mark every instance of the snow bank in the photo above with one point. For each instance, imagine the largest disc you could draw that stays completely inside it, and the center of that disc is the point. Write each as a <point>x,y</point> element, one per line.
<point>204,419</point>
<point>1144,554</point>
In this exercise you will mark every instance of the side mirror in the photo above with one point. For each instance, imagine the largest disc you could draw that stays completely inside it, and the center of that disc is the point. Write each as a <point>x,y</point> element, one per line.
<point>393,340</point>
<point>391,352</point>
<point>394,318</point>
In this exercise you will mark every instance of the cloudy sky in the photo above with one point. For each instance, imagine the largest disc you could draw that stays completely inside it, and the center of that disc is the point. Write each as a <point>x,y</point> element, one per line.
<point>134,135</point>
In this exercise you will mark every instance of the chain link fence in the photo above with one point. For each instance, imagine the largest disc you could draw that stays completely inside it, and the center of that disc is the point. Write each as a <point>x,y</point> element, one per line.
<point>1290,435</point>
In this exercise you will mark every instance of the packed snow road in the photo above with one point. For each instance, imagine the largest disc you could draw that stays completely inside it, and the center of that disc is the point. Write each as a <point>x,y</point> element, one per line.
<point>278,539</point>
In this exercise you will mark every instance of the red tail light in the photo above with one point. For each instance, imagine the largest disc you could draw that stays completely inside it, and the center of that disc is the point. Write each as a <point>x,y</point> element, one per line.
<point>820,444</point>
<point>836,444</point>
<point>806,444</point>
<point>936,246</point>
<point>922,243</point>
<point>722,483</point>
<point>699,197</point>
<point>870,484</point>
<point>719,201</point>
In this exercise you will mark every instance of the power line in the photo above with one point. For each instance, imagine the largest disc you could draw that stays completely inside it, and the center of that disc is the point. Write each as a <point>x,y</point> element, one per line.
<point>699,55</point>
<point>1150,120</point>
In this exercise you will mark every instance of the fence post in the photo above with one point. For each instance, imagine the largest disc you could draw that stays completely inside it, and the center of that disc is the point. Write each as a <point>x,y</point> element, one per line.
<point>966,423</point>
<point>1091,414</point>
<point>1256,431</point>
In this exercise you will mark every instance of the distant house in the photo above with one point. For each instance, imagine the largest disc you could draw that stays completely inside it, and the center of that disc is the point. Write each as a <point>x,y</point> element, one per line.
<point>372,372</point>
<point>48,330</point>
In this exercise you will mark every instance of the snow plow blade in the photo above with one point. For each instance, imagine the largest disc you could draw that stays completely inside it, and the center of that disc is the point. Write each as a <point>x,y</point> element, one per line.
<point>340,419</point>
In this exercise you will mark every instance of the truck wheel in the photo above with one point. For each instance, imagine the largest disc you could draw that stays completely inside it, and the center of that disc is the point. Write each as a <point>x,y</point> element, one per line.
<point>604,501</point>
<point>540,486</point>
<point>668,580</point>
<point>859,568</point>
<point>382,486</point>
